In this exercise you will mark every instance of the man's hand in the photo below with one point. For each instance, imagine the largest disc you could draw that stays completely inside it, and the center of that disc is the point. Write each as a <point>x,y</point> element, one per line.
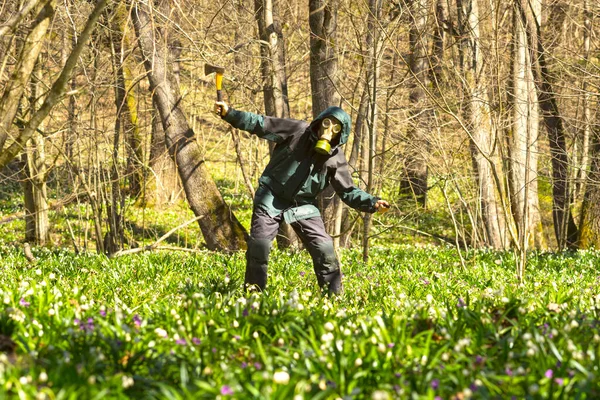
<point>382,206</point>
<point>221,108</point>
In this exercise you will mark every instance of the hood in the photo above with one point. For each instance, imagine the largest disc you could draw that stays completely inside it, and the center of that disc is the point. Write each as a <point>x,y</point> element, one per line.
<point>341,116</point>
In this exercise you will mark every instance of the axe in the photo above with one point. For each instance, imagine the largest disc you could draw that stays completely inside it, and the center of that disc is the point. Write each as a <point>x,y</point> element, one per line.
<point>209,69</point>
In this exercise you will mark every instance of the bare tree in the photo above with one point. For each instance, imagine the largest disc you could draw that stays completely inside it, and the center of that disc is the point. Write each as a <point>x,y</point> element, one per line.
<point>476,113</point>
<point>9,103</point>
<point>221,229</point>
<point>564,224</point>
<point>274,78</point>
<point>416,169</point>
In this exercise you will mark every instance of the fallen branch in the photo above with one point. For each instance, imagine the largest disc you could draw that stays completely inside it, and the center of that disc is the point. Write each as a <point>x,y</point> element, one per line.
<point>155,245</point>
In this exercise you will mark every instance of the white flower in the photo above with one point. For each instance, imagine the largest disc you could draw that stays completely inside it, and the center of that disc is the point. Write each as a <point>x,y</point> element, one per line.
<point>255,335</point>
<point>574,324</point>
<point>358,362</point>
<point>23,380</point>
<point>380,395</point>
<point>38,272</point>
<point>329,326</point>
<point>533,389</point>
<point>236,324</point>
<point>161,332</point>
<point>429,298</point>
<point>43,377</point>
<point>281,377</point>
<point>127,381</point>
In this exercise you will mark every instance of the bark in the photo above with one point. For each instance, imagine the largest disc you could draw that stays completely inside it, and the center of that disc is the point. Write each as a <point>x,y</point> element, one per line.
<point>37,226</point>
<point>272,51</point>
<point>125,99</point>
<point>589,226</point>
<point>374,46</point>
<point>589,232</point>
<point>56,91</point>
<point>9,103</point>
<point>482,134</point>
<point>221,229</point>
<point>163,185</point>
<point>523,145</point>
<point>323,83</point>
<point>10,25</point>
<point>323,60</point>
<point>416,170</point>
<point>565,229</point>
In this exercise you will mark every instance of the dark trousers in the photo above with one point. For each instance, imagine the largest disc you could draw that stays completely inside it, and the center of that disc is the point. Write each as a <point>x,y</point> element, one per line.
<point>314,237</point>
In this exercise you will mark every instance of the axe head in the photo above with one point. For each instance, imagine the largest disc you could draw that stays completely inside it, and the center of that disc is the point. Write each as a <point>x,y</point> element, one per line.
<point>209,69</point>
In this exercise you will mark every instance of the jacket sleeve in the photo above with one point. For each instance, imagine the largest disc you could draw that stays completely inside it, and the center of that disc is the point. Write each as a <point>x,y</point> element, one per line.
<point>344,186</point>
<point>270,128</point>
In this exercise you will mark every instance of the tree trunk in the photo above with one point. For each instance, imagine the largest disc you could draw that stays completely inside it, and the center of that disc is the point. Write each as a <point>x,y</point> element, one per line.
<point>221,229</point>
<point>37,226</point>
<point>9,103</point>
<point>272,52</point>
<point>373,47</point>
<point>414,181</point>
<point>482,135</point>
<point>523,145</point>
<point>125,100</point>
<point>324,92</point>
<point>565,229</point>
<point>589,225</point>
<point>589,231</point>
<point>55,93</point>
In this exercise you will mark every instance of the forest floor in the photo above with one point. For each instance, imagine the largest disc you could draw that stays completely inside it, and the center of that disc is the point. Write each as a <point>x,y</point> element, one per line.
<point>412,322</point>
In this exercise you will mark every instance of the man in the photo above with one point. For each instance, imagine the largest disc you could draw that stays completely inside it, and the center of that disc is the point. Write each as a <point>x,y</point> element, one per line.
<point>307,158</point>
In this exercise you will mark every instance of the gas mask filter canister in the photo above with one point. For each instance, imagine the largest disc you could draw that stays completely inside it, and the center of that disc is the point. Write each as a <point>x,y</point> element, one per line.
<point>328,131</point>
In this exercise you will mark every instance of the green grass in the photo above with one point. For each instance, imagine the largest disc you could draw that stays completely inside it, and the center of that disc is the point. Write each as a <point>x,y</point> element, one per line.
<point>411,322</point>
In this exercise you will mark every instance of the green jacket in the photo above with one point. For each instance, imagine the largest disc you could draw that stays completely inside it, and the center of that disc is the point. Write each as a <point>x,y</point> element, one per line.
<point>296,173</point>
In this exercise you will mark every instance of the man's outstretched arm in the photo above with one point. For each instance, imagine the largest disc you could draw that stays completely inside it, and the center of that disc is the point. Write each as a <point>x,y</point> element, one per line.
<point>269,128</point>
<point>353,196</point>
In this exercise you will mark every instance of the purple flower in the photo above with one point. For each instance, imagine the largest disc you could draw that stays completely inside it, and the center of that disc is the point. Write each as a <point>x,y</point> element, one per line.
<point>181,342</point>
<point>245,312</point>
<point>226,390</point>
<point>549,373</point>
<point>302,273</point>
<point>257,365</point>
<point>461,303</point>
<point>90,324</point>
<point>508,371</point>
<point>559,381</point>
<point>435,384</point>
<point>102,313</point>
<point>244,365</point>
<point>214,349</point>
<point>397,374</point>
<point>390,345</point>
<point>478,360</point>
<point>137,321</point>
<point>24,303</point>
<point>437,398</point>
<point>196,341</point>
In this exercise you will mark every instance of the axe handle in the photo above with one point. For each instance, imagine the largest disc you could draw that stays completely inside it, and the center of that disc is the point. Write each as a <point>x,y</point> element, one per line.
<point>219,95</point>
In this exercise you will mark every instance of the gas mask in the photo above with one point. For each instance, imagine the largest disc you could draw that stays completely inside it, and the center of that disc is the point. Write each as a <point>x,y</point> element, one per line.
<point>328,130</point>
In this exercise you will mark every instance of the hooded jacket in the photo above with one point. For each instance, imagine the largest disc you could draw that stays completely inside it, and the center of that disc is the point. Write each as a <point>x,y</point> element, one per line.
<point>296,173</point>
